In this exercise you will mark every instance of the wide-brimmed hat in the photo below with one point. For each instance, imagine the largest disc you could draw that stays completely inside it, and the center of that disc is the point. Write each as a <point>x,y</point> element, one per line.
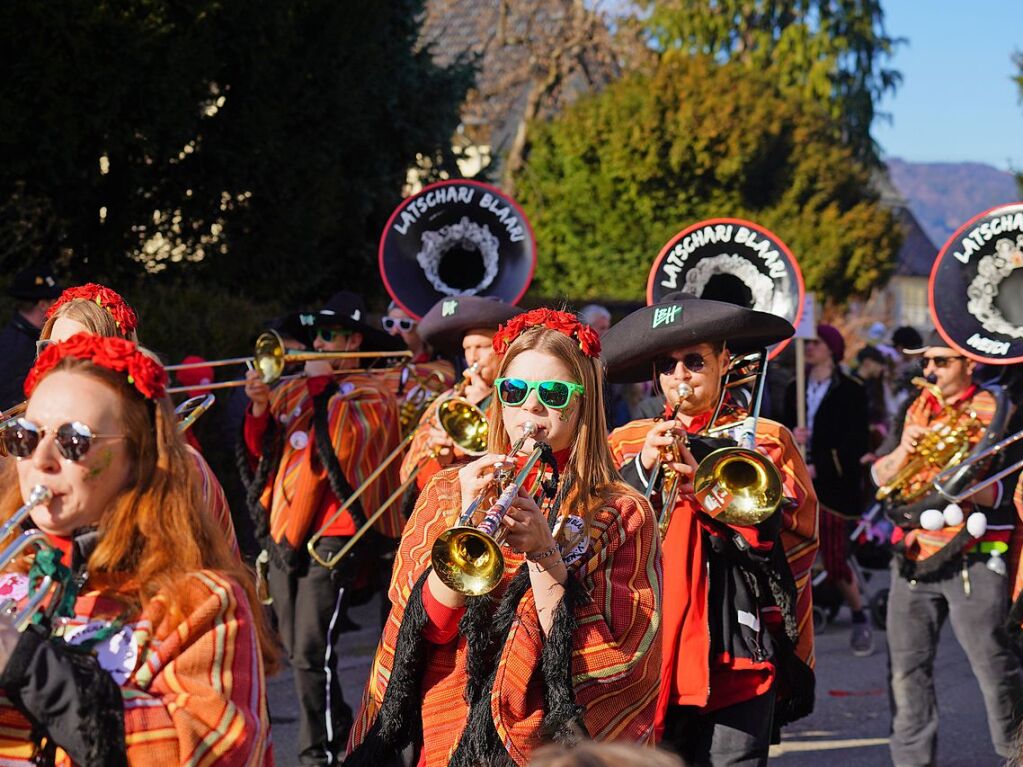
<point>682,320</point>
<point>33,283</point>
<point>451,318</point>
<point>933,339</point>
<point>346,309</point>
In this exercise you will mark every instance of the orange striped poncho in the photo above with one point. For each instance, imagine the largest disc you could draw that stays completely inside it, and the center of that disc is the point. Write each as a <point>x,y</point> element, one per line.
<point>615,645</point>
<point>215,500</point>
<point>191,680</point>
<point>363,424</point>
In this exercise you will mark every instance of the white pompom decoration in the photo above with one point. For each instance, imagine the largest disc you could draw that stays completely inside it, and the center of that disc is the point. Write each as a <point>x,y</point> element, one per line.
<point>977,524</point>
<point>953,514</point>
<point>932,519</point>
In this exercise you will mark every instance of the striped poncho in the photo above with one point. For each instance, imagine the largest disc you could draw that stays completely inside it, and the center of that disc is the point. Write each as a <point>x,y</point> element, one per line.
<point>611,666</point>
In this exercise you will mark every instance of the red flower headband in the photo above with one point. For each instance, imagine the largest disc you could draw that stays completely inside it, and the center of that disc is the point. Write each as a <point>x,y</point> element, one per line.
<point>144,373</point>
<point>117,307</point>
<point>563,322</point>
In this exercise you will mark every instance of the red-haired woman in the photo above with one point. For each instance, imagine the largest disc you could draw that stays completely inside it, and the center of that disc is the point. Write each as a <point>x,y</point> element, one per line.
<point>157,656</point>
<point>569,641</point>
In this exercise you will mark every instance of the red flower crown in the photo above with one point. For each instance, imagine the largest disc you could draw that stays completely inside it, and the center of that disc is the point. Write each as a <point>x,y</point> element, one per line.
<point>144,373</point>
<point>117,307</point>
<point>563,322</point>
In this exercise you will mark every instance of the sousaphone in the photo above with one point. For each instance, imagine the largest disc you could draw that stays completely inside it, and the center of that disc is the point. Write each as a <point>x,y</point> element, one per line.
<point>456,238</point>
<point>731,260</point>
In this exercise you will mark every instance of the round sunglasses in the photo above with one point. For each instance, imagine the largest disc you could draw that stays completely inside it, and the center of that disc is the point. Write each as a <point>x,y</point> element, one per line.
<point>553,394</point>
<point>401,323</point>
<point>73,439</point>
<point>693,362</point>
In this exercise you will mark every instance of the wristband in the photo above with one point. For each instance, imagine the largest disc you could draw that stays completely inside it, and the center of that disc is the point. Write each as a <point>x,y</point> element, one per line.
<point>543,554</point>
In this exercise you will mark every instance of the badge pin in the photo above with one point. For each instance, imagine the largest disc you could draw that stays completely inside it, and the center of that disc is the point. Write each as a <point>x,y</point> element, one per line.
<point>299,440</point>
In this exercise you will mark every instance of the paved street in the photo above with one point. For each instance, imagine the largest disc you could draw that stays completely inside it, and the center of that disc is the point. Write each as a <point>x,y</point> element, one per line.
<point>849,727</point>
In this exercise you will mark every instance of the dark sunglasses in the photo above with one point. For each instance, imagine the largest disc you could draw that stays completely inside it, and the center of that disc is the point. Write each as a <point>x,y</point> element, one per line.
<point>940,362</point>
<point>693,362</point>
<point>402,323</point>
<point>73,439</point>
<point>554,394</point>
<point>327,335</point>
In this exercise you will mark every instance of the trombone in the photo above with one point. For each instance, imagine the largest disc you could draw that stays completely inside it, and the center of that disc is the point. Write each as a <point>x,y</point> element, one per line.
<point>467,558</point>
<point>944,479</point>
<point>467,426</point>
<point>270,358</point>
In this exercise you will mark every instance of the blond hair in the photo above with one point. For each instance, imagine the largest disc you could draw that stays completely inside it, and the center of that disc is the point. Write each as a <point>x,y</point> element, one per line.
<point>94,317</point>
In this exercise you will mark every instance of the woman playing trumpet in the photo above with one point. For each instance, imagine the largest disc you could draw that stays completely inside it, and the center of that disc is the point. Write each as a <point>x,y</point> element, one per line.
<point>156,655</point>
<point>568,642</point>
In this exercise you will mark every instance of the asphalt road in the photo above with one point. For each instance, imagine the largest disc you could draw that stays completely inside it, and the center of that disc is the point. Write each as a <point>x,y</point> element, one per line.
<point>849,727</point>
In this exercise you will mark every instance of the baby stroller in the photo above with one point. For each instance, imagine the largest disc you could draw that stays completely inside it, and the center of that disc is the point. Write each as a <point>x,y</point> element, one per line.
<point>868,553</point>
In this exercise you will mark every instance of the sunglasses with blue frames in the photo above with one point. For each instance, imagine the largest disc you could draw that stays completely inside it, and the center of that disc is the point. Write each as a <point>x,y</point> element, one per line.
<point>553,394</point>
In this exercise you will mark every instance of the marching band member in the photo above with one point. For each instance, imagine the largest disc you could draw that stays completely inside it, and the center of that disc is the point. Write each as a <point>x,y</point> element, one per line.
<point>569,641</point>
<point>96,309</point>
<point>34,289</point>
<point>460,325</point>
<point>312,441</point>
<point>951,568</point>
<point>159,645</point>
<point>728,654</point>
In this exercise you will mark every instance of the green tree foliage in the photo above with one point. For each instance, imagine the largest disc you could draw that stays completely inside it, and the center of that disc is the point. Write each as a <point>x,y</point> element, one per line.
<point>616,176</point>
<point>257,146</point>
<point>831,51</point>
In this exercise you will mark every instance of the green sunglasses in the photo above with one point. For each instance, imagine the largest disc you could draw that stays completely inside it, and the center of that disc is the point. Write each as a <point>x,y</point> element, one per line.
<point>327,335</point>
<point>554,394</point>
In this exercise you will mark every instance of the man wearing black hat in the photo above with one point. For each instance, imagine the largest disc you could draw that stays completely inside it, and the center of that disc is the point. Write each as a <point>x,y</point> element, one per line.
<point>950,561</point>
<point>313,440</point>
<point>35,289</point>
<point>737,635</point>
<point>457,326</point>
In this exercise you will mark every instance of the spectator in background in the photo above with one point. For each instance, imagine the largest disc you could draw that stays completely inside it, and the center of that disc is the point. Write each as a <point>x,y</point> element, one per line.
<point>835,438</point>
<point>35,289</point>
<point>616,396</point>
<point>873,368</point>
<point>597,317</point>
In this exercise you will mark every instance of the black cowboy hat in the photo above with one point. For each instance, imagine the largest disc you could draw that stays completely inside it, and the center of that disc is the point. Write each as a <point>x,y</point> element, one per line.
<point>346,309</point>
<point>934,340</point>
<point>680,320</point>
<point>450,318</point>
<point>34,283</point>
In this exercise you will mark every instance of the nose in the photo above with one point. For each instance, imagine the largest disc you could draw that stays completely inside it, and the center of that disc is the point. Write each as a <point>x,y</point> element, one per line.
<point>533,403</point>
<point>46,458</point>
<point>318,344</point>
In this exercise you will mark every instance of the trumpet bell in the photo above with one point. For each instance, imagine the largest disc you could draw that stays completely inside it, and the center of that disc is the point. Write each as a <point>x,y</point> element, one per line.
<point>465,423</point>
<point>468,561</point>
<point>738,486</point>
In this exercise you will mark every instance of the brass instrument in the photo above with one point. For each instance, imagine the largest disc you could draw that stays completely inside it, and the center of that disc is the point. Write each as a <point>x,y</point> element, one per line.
<point>48,586</point>
<point>945,478</point>
<point>189,411</point>
<point>467,558</point>
<point>425,389</point>
<point>946,445</point>
<point>467,426</point>
<point>270,358</point>
<point>671,483</point>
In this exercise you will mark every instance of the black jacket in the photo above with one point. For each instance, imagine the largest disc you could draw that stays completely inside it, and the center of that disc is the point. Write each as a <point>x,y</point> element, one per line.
<point>839,437</point>
<point>17,353</point>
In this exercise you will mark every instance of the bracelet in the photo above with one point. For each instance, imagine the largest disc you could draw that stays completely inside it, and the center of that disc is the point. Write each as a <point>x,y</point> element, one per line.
<point>543,554</point>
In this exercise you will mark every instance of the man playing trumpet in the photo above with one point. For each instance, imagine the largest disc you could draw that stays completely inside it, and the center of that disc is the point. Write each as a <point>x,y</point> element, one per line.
<point>734,656</point>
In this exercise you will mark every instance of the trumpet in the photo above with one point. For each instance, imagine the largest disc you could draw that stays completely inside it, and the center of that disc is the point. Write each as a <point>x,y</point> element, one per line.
<point>467,426</point>
<point>189,411</point>
<point>468,558</point>
<point>49,586</point>
<point>672,454</point>
<point>270,358</point>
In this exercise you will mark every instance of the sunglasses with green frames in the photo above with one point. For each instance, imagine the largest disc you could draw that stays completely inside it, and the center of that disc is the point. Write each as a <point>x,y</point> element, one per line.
<point>553,394</point>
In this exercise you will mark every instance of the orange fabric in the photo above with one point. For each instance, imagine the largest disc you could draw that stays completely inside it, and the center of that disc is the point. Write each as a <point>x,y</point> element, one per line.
<point>616,646</point>
<point>216,501</point>
<point>192,683</point>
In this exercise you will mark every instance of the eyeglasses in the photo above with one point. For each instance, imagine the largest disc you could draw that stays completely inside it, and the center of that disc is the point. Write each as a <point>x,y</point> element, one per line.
<point>402,323</point>
<point>327,335</point>
<point>73,439</point>
<point>41,345</point>
<point>554,394</point>
<point>940,362</point>
<point>693,362</point>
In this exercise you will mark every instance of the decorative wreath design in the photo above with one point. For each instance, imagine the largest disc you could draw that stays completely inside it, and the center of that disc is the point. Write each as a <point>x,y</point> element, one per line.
<point>468,235</point>
<point>991,271</point>
<point>761,285</point>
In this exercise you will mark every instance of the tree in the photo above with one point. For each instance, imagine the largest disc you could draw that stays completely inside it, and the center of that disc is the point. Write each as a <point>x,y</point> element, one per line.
<point>254,145</point>
<point>617,175</point>
<point>831,51</point>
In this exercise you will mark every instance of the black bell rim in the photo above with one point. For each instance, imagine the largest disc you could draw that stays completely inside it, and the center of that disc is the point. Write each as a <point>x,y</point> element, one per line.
<point>489,232</point>
<point>732,260</point>
<point>975,291</point>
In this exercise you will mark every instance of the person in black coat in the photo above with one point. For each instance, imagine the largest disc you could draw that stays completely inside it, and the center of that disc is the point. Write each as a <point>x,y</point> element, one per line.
<point>836,437</point>
<point>35,290</point>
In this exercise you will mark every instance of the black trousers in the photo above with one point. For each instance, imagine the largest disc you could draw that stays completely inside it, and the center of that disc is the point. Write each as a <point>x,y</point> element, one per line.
<point>734,736</point>
<point>916,613</point>
<point>307,603</point>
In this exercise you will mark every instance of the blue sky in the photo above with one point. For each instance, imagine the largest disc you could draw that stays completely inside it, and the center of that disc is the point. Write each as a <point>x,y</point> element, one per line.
<point>957,101</point>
